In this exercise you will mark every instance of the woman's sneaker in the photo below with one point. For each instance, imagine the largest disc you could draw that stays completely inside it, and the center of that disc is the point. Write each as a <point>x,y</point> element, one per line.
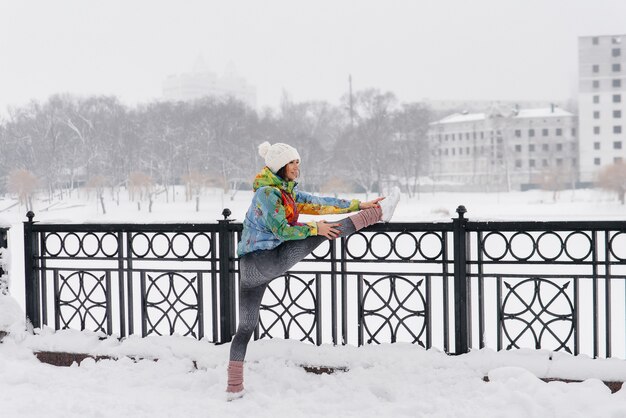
<point>231,396</point>
<point>388,205</point>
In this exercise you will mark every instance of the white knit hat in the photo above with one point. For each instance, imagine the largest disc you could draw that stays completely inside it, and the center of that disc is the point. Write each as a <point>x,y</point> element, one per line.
<point>278,155</point>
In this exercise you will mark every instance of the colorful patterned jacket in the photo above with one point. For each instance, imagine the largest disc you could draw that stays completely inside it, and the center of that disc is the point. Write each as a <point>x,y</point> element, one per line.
<point>273,214</point>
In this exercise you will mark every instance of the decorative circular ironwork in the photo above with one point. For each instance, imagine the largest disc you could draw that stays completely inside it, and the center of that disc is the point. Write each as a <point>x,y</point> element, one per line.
<point>371,245</point>
<point>195,245</point>
<point>82,294</point>
<point>405,302</point>
<point>288,289</point>
<point>172,321</point>
<point>537,310</point>
<point>186,244</point>
<point>178,297</point>
<point>614,244</point>
<point>306,322</point>
<point>324,255</point>
<point>50,244</point>
<point>545,236</point>
<point>90,244</point>
<point>296,302</point>
<point>423,242</point>
<point>485,244</point>
<point>87,244</point>
<point>571,245</point>
<point>397,245</point>
<point>160,245</point>
<point>351,239</point>
<point>109,236</point>
<point>514,245</point>
<point>71,239</point>
<point>372,287</point>
<point>136,244</point>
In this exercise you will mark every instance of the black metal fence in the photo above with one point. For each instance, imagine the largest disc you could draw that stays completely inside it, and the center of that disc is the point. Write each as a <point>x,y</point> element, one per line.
<point>4,285</point>
<point>452,285</point>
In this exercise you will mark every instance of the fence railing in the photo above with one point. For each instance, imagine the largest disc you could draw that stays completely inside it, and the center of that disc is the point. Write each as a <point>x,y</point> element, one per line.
<point>452,285</point>
<point>4,284</point>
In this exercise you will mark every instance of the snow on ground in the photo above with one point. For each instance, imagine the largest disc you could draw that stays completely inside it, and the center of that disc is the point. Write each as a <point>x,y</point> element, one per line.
<point>398,380</point>
<point>395,380</point>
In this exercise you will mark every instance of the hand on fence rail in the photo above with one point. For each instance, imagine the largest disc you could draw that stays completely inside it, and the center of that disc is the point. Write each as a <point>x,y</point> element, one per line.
<point>327,230</point>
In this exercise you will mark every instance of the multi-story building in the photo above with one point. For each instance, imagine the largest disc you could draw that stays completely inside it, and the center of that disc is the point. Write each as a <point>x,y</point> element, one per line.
<point>505,148</point>
<point>476,106</point>
<point>601,102</point>
<point>202,83</point>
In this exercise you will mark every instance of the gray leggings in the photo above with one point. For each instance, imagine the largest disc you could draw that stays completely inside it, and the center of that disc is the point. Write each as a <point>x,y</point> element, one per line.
<point>258,269</point>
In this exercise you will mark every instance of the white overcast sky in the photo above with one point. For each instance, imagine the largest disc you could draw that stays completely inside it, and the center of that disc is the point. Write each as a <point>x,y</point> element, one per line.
<point>437,49</point>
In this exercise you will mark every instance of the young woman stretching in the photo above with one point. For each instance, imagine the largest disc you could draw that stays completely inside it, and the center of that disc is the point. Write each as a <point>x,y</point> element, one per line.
<point>273,240</point>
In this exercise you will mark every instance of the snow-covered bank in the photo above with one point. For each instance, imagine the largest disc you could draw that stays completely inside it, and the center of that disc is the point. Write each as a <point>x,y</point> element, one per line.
<point>541,363</point>
<point>399,380</point>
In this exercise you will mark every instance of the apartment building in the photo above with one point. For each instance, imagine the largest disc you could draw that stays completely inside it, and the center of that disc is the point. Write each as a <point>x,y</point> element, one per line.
<point>505,148</point>
<point>602,103</point>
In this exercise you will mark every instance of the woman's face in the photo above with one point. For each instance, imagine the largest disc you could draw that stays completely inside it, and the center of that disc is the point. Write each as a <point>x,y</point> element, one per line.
<point>292,170</point>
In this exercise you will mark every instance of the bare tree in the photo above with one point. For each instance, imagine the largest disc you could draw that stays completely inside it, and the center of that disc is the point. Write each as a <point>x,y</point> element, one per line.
<point>98,183</point>
<point>141,184</point>
<point>23,183</point>
<point>231,131</point>
<point>67,140</point>
<point>613,178</point>
<point>410,150</point>
<point>313,128</point>
<point>555,179</point>
<point>365,147</point>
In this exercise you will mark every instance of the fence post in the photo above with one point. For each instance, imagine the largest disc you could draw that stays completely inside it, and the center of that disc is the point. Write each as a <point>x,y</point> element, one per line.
<point>227,278</point>
<point>4,283</point>
<point>462,311</point>
<point>33,311</point>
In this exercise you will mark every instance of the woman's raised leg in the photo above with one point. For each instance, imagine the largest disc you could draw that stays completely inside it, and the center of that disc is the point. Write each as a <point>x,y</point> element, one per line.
<point>276,262</point>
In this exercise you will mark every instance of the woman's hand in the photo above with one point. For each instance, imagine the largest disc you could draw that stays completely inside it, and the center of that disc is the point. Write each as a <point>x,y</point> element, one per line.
<point>371,203</point>
<point>327,230</point>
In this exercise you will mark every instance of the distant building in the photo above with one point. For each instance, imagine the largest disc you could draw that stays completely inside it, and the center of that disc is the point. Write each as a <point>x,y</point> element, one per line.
<point>203,83</point>
<point>477,106</point>
<point>505,148</point>
<point>602,102</point>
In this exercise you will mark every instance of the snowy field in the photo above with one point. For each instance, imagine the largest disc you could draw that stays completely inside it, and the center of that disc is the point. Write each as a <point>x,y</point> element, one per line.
<point>398,380</point>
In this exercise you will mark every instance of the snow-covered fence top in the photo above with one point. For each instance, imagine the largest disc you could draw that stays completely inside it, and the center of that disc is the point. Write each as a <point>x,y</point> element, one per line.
<point>459,285</point>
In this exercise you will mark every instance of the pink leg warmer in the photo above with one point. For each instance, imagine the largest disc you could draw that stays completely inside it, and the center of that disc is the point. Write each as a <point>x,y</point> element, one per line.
<point>235,376</point>
<point>366,217</point>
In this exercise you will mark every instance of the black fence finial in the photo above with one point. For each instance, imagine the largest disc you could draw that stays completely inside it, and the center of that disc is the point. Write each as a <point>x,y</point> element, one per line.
<point>30,215</point>
<point>226,213</point>
<point>461,211</point>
